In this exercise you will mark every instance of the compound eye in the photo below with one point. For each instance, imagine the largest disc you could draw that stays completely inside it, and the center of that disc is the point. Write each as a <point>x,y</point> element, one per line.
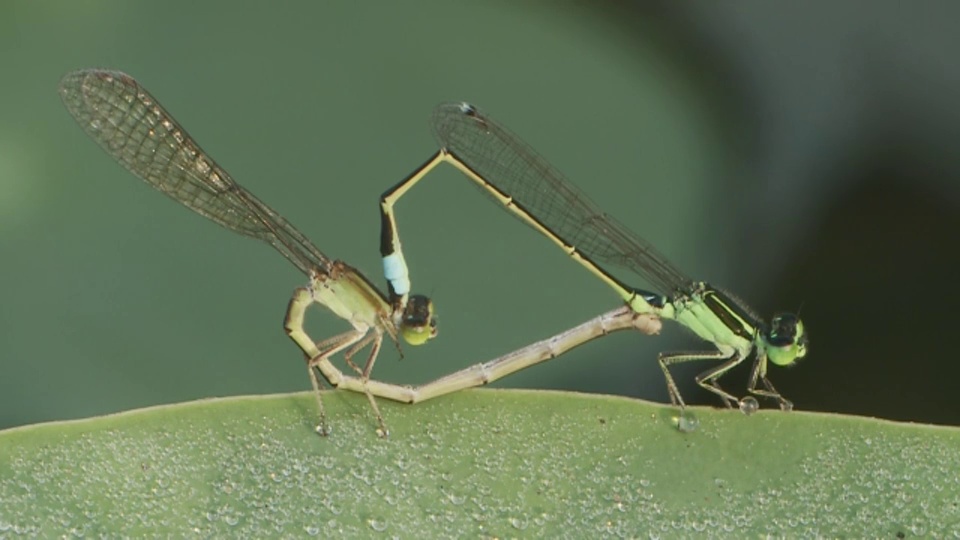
<point>418,321</point>
<point>784,330</point>
<point>786,340</point>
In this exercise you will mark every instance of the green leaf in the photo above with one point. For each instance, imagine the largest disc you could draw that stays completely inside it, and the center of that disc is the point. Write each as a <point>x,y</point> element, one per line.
<point>487,463</point>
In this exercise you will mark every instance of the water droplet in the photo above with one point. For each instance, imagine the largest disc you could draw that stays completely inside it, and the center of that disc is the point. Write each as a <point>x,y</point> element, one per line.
<point>518,523</point>
<point>687,422</point>
<point>378,525</point>
<point>749,405</point>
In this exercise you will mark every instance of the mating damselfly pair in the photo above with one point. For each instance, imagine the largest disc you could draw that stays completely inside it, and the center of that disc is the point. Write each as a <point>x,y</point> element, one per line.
<point>137,131</point>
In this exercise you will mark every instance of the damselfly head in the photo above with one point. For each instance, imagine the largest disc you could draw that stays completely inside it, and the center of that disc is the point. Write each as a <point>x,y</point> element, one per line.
<point>419,324</point>
<point>786,339</point>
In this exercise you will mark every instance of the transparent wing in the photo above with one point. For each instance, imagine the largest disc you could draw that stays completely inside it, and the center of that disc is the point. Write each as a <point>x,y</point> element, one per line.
<point>133,128</point>
<point>505,161</point>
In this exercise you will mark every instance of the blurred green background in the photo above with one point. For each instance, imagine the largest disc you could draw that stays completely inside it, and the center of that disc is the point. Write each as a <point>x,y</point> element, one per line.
<point>801,157</point>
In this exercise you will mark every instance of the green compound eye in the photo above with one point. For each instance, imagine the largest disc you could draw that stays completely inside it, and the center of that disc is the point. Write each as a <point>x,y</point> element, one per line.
<point>787,340</point>
<point>419,325</point>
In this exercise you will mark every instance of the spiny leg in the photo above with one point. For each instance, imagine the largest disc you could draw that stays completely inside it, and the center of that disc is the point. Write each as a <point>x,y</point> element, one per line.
<point>335,345</point>
<point>318,354</point>
<point>332,345</point>
<point>688,422</point>
<point>323,428</point>
<point>668,359</point>
<point>708,380</point>
<point>354,343</point>
<point>374,352</point>
<point>357,347</point>
<point>377,341</point>
<point>759,372</point>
